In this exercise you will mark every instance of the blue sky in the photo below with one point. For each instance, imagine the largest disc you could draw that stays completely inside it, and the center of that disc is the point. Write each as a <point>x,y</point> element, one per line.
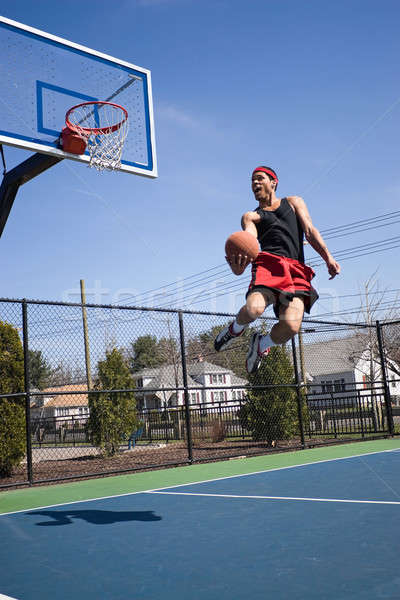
<point>308,87</point>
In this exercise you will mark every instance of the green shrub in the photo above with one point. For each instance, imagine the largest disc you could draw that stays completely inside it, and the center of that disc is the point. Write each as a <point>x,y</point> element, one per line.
<point>113,415</point>
<point>12,413</point>
<point>271,414</point>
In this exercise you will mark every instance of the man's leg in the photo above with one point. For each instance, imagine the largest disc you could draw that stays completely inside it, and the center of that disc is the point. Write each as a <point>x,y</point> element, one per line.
<point>256,304</point>
<point>290,319</point>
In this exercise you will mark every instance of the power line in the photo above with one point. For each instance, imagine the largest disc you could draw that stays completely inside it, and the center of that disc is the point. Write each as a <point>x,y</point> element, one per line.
<point>341,255</point>
<point>391,215</point>
<point>354,231</point>
<point>333,232</point>
<point>228,289</point>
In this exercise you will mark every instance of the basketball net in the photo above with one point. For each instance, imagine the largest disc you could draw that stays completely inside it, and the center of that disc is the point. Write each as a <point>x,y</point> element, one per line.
<point>103,126</point>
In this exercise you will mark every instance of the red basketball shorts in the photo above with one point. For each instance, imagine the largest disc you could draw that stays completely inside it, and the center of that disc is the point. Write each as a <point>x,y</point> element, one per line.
<point>287,278</point>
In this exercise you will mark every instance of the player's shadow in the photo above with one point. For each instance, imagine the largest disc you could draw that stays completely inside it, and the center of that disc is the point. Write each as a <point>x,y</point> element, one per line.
<point>96,517</point>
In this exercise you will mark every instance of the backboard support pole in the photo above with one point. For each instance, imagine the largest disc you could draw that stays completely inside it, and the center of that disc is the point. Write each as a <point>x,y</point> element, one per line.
<point>22,173</point>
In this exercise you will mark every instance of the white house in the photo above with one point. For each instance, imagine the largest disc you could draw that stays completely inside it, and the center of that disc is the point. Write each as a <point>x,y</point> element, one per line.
<point>206,382</point>
<point>54,404</point>
<point>347,368</point>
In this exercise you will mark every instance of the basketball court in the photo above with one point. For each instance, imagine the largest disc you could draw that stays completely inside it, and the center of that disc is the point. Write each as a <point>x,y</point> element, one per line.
<point>320,523</point>
<point>314,524</point>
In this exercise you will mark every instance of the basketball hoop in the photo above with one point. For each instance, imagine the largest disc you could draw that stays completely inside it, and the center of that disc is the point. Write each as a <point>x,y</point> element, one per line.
<point>102,128</point>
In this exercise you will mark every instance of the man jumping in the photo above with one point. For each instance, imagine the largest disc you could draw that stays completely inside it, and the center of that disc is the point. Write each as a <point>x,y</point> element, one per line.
<point>279,275</point>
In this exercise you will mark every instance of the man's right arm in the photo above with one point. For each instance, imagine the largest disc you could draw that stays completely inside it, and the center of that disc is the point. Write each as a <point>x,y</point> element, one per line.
<point>239,262</point>
<point>249,221</point>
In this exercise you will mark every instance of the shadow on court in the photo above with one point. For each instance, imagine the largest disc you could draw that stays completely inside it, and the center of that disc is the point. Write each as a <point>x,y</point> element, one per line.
<point>96,517</point>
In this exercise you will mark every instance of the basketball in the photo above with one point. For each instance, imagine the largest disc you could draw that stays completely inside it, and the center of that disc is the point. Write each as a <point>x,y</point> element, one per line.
<point>242,242</point>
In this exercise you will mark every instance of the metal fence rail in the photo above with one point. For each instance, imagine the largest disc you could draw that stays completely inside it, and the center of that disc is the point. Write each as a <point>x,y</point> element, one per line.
<point>334,382</point>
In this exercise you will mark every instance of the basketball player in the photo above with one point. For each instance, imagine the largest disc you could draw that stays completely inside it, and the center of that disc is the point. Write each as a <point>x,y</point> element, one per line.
<point>279,275</point>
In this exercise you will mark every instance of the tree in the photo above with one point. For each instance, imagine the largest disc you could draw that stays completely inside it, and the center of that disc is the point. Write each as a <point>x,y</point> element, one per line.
<point>148,352</point>
<point>39,370</point>
<point>391,336</point>
<point>365,345</point>
<point>169,354</point>
<point>12,414</point>
<point>113,415</point>
<point>271,414</point>
<point>202,347</point>
<point>144,353</point>
<point>65,374</point>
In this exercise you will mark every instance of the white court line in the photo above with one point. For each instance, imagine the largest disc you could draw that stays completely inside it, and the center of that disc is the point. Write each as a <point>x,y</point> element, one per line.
<point>274,498</point>
<point>3,597</point>
<point>166,487</point>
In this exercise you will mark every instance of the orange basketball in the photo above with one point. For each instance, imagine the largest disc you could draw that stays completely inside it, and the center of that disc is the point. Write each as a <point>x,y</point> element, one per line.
<point>242,242</point>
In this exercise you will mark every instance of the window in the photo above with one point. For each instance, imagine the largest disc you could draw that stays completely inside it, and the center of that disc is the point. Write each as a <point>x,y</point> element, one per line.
<point>339,385</point>
<point>62,412</point>
<point>217,378</point>
<point>327,386</point>
<point>218,396</point>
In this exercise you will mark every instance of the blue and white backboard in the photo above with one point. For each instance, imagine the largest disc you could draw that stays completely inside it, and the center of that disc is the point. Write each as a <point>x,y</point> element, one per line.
<point>44,75</point>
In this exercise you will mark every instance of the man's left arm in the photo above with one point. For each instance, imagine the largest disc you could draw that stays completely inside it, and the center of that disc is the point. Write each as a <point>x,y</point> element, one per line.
<point>312,235</point>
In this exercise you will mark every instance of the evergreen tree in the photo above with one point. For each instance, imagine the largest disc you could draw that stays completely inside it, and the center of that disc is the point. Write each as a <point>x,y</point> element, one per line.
<point>271,414</point>
<point>39,370</point>
<point>112,414</point>
<point>12,413</point>
<point>148,352</point>
<point>144,353</point>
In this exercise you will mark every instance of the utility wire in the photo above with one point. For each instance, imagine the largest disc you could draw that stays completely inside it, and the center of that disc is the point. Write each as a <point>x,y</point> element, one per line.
<point>343,256</point>
<point>332,232</point>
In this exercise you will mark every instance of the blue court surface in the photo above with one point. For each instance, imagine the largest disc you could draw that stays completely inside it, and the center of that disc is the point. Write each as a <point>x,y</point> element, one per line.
<point>325,530</point>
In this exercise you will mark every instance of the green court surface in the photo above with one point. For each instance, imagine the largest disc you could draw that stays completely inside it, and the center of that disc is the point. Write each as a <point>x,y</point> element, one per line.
<point>41,496</point>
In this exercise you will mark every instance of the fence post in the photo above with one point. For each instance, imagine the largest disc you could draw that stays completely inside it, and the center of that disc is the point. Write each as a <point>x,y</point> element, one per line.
<point>361,411</point>
<point>27,391</point>
<point>298,391</point>
<point>333,413</point>
<point>185,386</point>
<point>388,402</point>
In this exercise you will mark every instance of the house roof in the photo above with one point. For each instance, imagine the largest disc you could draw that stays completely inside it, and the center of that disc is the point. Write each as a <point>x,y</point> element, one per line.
<point>169,376</point>
<point>235,380</point>
<point>52,399</point>
<point>193,369</point>
<point>204,367</point>
<point>334,356</point>
<point>165,376</point>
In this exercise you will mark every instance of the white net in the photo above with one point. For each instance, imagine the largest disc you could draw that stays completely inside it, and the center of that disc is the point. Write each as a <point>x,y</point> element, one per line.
<point>105,144</point>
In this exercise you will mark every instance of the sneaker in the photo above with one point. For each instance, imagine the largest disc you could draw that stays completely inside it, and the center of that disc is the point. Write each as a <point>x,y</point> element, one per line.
<point>225,338</point>
<point>254,356</point>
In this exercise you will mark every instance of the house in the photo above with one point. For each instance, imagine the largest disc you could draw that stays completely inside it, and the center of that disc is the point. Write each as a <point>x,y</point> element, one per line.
<point>54,404</point>
<point>346,368</point>
<point>207,384</point>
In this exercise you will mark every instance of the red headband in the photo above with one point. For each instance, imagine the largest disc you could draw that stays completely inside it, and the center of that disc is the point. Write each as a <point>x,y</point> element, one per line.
<point>267,171</point>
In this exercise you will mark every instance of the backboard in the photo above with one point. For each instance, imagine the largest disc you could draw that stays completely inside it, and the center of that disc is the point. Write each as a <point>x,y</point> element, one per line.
<point>42,76</point>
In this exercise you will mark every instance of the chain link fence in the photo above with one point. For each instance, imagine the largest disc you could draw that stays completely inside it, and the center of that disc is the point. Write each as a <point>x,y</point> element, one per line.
<point>92,390</point>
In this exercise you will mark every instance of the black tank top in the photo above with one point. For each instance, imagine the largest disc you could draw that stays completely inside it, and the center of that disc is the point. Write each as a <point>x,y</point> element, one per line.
<point>280,232</point>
